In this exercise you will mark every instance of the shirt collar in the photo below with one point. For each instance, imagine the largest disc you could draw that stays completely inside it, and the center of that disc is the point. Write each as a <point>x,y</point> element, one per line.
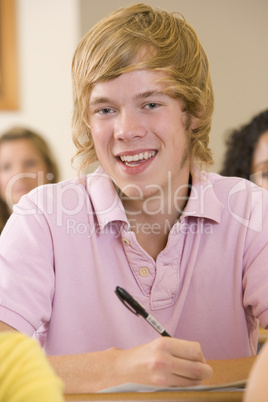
<point>105,201</point>
<point>203,201</point>
<point>108,207</point>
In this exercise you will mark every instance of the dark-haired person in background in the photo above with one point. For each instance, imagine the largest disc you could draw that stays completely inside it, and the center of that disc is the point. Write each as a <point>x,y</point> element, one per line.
<point>247,151</point>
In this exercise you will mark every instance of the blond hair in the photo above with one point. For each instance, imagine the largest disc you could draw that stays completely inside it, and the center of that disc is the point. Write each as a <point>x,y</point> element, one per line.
<point>113,46</point>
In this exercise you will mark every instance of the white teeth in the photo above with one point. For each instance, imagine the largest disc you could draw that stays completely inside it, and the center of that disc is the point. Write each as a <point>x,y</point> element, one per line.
<point>138,157</point>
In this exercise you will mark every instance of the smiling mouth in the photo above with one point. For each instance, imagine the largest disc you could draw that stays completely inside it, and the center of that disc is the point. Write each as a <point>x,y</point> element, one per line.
<point>134,160</point>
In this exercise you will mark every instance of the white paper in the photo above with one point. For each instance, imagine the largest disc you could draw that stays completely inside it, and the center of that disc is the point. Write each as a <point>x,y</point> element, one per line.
<point>133,387</point>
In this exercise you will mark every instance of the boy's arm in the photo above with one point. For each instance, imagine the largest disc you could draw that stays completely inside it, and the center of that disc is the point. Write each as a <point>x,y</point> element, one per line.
<point>150,363</point>
<point>97,368</point>
<point>162,362</point>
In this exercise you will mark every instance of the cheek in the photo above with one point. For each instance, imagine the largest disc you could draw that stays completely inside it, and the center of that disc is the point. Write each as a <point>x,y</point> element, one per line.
<point>39,171</point>
<point>100,136</point>
<point>42,168</point>
<point>39,177</point>
<point>4,179</point>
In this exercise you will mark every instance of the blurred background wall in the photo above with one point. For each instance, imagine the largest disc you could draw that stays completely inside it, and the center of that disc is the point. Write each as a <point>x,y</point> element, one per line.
<point>233,33</point>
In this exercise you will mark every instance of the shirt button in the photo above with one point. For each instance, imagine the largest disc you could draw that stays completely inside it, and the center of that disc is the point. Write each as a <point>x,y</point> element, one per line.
<point>144,271</point>
<point>127,243</point>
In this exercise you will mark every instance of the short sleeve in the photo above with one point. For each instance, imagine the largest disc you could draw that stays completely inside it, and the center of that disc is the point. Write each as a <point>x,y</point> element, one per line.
<point>26,269</point>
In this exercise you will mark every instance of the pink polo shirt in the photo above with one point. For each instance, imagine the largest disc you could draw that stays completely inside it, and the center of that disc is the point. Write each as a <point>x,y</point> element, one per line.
<point>68,245</point>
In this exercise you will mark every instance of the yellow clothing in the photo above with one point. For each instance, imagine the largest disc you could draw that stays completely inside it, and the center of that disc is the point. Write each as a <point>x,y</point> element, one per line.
<point>25,374</point>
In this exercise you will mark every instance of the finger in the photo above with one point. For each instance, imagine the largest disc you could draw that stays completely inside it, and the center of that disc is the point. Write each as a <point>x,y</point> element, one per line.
<point>188,372</point>
<point>183,349</point>
<point>177,372</point>
<point>192,370</point>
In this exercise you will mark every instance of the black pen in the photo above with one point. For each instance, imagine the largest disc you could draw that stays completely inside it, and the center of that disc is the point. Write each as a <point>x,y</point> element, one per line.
<point>137,309</point>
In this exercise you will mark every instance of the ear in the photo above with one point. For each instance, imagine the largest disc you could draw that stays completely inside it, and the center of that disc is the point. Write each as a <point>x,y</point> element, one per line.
<point>194,123</point>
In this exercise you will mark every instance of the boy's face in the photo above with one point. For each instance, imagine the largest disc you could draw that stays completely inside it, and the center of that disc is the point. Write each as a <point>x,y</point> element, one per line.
<point>139,134</point>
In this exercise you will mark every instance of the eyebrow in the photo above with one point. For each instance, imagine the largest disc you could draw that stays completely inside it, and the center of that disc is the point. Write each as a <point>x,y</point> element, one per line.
<point>147,94</point>
<point>142,95</point>
<point>99,100</point>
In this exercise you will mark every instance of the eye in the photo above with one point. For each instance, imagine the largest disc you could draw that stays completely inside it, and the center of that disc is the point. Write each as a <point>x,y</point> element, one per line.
<point>105,110</point>
<point>30,163</point>
<point>5,167</point>
<point>152,105</point>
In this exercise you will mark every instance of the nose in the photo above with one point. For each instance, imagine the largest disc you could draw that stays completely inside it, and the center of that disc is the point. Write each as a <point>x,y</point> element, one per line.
<point>128,126</point>
<point>20,168</point>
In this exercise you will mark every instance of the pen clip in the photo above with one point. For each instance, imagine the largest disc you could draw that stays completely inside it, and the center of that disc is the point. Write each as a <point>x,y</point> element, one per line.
<point>125,302</point>
<point>137,309</point>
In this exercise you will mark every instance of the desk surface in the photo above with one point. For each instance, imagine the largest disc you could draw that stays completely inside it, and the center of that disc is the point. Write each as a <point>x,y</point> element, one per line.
<point>263,335</point>
<point>225,372</point>
<point>165,396</point>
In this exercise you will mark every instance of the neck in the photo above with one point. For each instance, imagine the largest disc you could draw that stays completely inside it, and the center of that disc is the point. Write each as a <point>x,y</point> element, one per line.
<point>160,205</point>
<point>155,217</point>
